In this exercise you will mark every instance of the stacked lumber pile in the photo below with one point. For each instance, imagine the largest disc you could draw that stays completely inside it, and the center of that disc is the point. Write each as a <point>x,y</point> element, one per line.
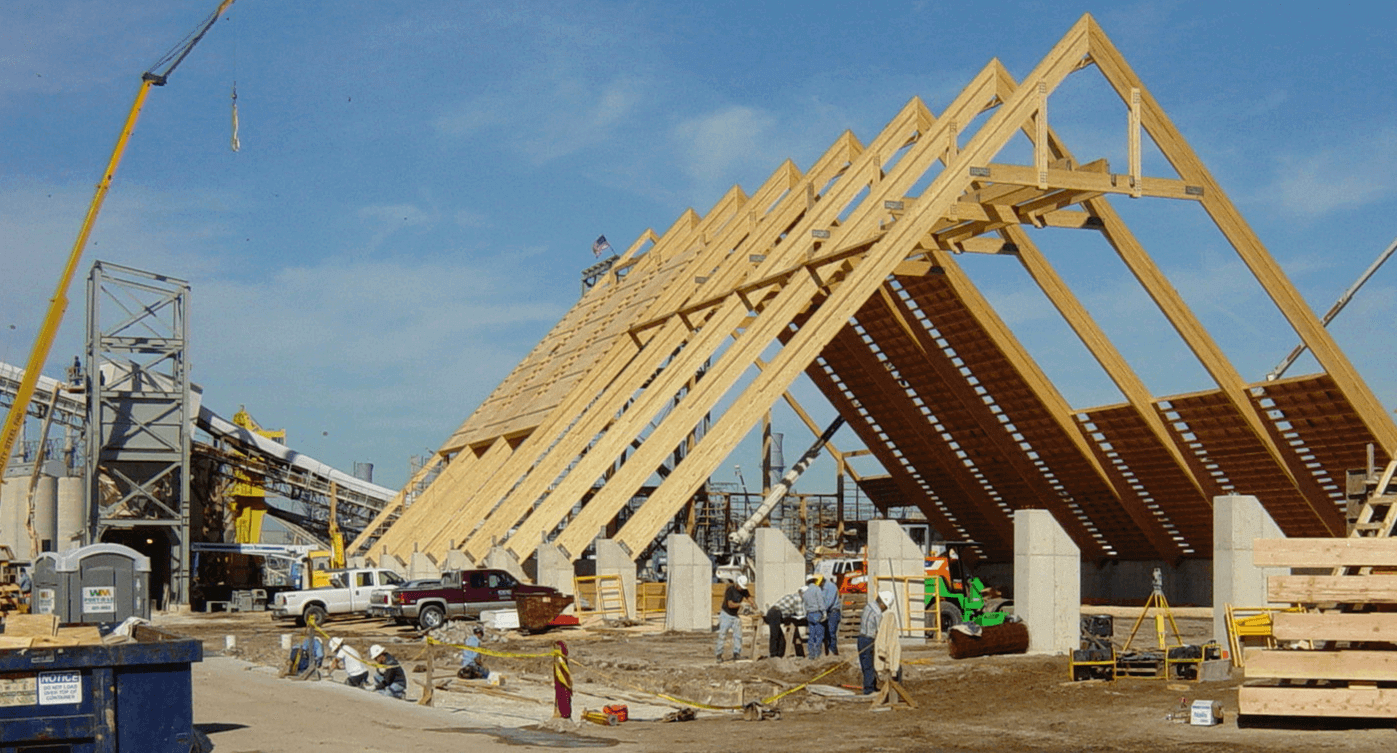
<point>1339,658</point>
<point>42,631</point>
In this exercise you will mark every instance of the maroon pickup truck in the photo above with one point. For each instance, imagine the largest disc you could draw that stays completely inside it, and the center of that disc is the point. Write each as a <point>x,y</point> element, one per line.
<point>462,593</point>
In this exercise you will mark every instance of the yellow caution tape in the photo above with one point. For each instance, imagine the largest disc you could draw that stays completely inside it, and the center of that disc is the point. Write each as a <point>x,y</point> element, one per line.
<point>488,652</point>
<point>572,659</point>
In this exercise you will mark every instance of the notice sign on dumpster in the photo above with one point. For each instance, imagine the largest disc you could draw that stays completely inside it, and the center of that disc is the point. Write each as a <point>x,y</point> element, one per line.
<point>98,599</point>
<point>17,690</point>
<point>60,687</point>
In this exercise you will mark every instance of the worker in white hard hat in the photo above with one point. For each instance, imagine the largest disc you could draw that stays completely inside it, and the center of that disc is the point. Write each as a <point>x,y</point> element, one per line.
<point>868,634</point>
<point>391,679</point>
<point>728,621</point>
<point>346,657</point>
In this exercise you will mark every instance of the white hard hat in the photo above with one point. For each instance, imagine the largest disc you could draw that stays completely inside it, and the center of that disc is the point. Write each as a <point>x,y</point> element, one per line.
<point>811,578</point>
<point>335,643</point>
<point>375,650</point>
<point>741,581</point>
<point>802,589</point>
<point>886,597</point>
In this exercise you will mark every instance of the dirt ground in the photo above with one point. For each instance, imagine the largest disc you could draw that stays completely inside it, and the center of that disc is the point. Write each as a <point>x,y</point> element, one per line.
<point>1020,703</point>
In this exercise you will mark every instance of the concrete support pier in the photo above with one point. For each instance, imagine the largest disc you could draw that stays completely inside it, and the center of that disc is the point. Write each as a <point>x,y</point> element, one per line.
<point>1047,583</point>
<point>500,558</point>
<point>1238,520</point>
<point>394,563</point>
<point>422,566</point>
<point>897,564</point>
<point>555,569</point>
<point>689,596</point>
<point>780,567</point>
<point>613,560</point>
<point>456,560</point>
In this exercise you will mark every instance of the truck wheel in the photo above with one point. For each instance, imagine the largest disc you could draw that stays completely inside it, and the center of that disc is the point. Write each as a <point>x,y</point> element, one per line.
<point>431,617</point>
<point>950,615</point>
<point>314,613</point>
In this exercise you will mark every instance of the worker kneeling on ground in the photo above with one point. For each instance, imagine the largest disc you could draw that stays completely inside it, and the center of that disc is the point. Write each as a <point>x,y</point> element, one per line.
<point>348,658</point>
<point>472,663</point>
<point>391,679</point>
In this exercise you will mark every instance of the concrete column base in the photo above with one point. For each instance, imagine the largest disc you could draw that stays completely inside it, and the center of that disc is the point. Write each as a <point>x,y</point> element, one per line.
<point>422,565</point>
<point>688,598</point>
<point>1047,583</point>
<point>779,568</point>
<point>613,560</point>
<point>897,564</point>
<point>1238,520</point>
<point>456,560</point>
<point>500,558</point>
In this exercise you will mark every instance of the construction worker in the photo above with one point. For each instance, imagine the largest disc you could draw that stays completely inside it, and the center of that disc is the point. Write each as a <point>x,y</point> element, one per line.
<point>887,646</point>
<point>788,610</point>
<point>347,658</point>
<point>391,679</point>
<point>868,633</point>
<point>816,610</point>
<point>834,611</point>
<point>472,664</point>
<point>728,621</point>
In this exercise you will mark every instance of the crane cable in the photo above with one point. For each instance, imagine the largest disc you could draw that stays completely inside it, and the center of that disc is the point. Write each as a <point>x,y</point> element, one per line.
<point>176,55</point>
<point>233,142</point>
<point>58,304</point>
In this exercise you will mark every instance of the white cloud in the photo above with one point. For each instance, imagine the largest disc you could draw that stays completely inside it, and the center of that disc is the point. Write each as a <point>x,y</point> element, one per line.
<point>713,144</point>
<point>548,114</point>
<point>367,358</point>
<point>1358,170</point>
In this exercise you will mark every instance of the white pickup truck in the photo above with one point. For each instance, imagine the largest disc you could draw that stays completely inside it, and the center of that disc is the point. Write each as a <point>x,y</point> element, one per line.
<point>348,593</point>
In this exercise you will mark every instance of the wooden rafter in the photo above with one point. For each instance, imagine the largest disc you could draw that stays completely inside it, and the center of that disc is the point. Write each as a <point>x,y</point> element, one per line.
<point>933,381</point>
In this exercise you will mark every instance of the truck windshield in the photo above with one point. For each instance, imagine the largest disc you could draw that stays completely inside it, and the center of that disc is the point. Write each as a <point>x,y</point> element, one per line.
<point>391,578</point>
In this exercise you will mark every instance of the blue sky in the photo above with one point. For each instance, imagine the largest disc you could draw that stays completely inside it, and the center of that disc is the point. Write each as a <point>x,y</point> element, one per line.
<point>419,183</point>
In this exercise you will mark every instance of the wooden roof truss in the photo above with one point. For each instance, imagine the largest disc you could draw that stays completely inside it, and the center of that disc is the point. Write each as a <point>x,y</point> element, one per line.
<point>849,272</point>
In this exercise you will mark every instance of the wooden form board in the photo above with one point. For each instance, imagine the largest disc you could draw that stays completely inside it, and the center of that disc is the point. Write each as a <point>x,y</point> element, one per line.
<point>1332,589</point>
<point>806,255</point>
<point>1334,626</point>
<point>1324,552</point>
<point>1368,666</point>
<point>1263,700</point>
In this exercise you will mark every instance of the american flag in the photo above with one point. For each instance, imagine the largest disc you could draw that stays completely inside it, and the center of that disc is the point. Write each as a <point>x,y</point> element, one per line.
<point>600,245</point>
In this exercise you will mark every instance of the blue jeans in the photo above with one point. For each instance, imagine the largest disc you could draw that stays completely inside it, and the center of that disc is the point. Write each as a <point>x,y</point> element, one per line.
<point>396,690</point>
<point>832,632</point>
<point>870,678</point>
<point>816,639</point>
<point>728,623</point>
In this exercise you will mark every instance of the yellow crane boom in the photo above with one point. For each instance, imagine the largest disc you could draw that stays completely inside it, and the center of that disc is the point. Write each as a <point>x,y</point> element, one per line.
<point>58,304</point>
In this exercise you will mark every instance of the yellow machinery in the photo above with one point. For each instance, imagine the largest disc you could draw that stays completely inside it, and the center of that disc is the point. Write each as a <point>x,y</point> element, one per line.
<point>58,305</point>
<point>247,500</point>
<point>336,536</point>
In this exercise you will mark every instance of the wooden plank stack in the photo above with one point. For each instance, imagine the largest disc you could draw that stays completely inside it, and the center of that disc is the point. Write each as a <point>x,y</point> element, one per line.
<point>1340,658</point>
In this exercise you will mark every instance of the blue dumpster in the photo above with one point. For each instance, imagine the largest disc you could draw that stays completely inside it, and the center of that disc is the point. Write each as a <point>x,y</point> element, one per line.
<point>116,698</point>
